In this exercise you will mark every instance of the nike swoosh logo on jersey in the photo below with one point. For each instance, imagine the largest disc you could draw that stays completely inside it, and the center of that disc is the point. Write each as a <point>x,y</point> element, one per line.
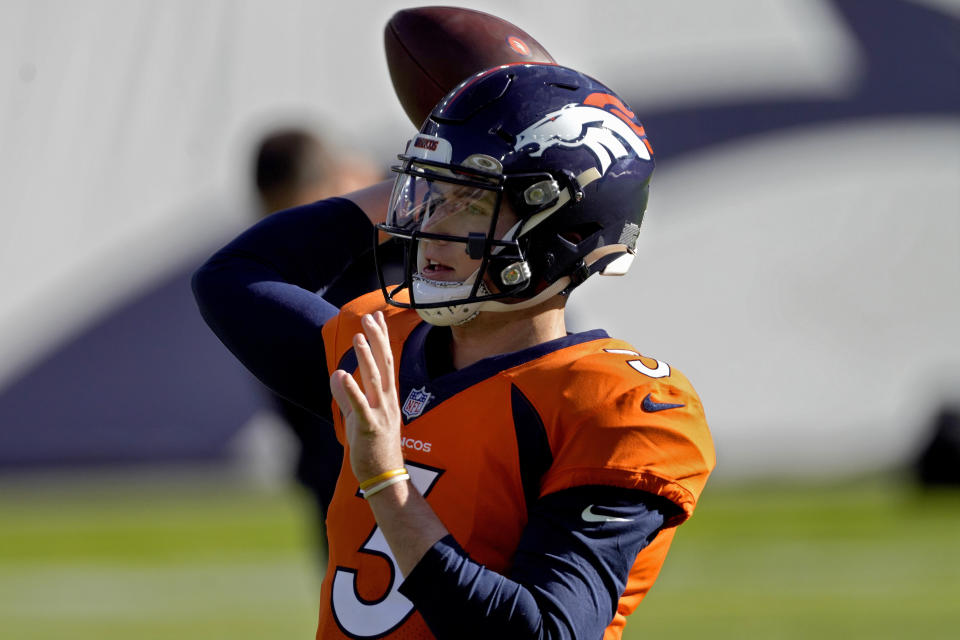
<point>588,515</point>
<point>650,406</point>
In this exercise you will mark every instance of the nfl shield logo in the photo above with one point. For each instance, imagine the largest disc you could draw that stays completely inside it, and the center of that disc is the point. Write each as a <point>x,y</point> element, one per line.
<point>416,402</point>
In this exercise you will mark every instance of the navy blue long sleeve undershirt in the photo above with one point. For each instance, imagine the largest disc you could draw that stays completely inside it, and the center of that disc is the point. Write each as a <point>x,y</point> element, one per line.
<point>567,573</point>
<point>257,294</point>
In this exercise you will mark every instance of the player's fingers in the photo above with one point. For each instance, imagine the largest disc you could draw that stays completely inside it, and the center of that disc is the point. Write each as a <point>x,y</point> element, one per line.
<point>369,372</point>
<point>347,393</point>
<point>375,326</point>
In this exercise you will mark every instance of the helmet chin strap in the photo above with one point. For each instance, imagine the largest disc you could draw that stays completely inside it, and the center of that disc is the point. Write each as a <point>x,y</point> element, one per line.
<point>438,291</point>
<point>556,287</point>
<point>427,290</point>
<point>546,294</point>
<point>460,314</point>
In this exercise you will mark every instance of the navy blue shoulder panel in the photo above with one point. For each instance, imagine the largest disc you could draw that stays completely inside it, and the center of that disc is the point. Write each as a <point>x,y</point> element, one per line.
<point>532,445</point>
<point>348,362</point>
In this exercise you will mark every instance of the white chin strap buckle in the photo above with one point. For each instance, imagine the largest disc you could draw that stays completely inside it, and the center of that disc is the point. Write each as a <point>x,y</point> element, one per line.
<point>426,290</point>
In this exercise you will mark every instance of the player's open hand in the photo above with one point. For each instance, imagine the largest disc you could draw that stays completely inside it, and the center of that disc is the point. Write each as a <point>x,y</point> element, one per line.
<point>371,414</point>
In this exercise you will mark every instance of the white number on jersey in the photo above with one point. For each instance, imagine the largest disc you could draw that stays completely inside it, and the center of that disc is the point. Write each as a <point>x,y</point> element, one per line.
<point>368,619</point>
<point>662,370</point>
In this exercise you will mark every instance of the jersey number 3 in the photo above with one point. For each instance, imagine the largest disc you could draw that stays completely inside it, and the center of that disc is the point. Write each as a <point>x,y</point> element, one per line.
<point>662,370</point>
<point>361,618</point>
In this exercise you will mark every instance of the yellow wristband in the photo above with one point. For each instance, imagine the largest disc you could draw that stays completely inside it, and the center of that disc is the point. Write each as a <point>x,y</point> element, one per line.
<point>386,475</point>
<point>383,485</point>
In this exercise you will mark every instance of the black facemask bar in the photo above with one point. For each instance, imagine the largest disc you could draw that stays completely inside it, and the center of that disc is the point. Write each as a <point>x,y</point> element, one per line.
<point>480,246</point>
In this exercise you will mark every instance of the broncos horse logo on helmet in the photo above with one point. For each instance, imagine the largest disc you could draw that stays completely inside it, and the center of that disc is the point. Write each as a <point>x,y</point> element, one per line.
<point>554,147</point>
<point>605,134</point>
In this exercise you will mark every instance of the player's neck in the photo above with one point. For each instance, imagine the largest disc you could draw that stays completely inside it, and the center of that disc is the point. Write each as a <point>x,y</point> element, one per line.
<point>493,333</point>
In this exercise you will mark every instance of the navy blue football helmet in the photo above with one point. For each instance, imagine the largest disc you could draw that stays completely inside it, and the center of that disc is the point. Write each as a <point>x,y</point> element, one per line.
<point>554,147</point>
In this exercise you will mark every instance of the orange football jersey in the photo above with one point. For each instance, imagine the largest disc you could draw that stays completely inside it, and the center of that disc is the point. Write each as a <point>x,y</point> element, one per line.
<point>470,439</point>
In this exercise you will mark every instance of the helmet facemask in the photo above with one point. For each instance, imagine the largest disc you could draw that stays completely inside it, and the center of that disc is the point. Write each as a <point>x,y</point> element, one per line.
<point>449,219</point>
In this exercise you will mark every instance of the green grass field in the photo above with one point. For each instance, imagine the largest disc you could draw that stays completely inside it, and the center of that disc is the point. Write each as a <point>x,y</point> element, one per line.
<point>121,556</point>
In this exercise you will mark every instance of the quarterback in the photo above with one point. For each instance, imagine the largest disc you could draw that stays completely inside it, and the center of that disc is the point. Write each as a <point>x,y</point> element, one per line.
<point>503,478</point>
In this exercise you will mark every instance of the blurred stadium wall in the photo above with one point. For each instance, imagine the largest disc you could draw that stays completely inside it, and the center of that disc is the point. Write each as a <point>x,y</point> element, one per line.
<point>800,260</point>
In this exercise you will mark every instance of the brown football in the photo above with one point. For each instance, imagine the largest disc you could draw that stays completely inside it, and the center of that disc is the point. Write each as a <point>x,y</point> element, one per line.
<point>431,49</point>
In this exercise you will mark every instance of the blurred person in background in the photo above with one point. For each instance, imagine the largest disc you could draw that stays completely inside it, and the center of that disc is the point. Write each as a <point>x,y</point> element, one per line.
<point>293,166</point>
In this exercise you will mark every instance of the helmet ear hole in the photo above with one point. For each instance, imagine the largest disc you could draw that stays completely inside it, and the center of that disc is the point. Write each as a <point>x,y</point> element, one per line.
<point>577,234</point>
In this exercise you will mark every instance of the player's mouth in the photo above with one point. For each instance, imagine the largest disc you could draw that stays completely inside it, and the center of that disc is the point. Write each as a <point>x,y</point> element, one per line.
<point>438,271</point>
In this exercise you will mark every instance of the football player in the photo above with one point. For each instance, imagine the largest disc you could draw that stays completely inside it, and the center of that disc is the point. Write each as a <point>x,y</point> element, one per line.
<point>502,478</point>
